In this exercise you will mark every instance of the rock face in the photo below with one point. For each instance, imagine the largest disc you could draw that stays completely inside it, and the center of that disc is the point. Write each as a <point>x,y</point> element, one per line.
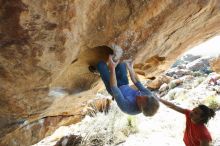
<point>47,44</point>
<point>215,64</point>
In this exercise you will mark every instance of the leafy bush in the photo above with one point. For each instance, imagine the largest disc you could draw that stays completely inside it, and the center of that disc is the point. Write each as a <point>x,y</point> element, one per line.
<point>132,124</point>
<point>198,81</point>
<point>213,102</point>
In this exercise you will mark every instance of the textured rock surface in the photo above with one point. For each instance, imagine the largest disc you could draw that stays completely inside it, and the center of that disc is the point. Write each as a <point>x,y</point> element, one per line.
<point>46,44</point>
<point>215,64</point>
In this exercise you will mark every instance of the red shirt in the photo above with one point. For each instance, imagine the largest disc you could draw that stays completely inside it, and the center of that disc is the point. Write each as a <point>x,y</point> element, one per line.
<point>195,132</point>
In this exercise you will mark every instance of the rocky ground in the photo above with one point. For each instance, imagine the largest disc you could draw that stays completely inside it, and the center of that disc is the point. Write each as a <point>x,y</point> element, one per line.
<point>189,86</point>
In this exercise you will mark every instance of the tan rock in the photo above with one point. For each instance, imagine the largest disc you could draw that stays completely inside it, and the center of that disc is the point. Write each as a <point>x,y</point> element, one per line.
<point>156,83</point>
<point>47,44</point>
<point>140,72</point>
<point>71,140</point>
<point>215,65</point>
<point>98,105</point>
<point>138,66</point>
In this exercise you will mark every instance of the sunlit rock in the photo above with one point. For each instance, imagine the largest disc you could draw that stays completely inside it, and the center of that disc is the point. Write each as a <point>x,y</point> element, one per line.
<point>50,44</point>
<point>156,83</point>
<point>215,64</point>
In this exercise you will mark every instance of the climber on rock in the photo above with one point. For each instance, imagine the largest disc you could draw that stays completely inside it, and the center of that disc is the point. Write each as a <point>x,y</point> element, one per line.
<point>129,100</point>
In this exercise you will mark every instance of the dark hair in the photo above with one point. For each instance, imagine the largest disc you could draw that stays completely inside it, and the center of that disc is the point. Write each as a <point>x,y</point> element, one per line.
<point>207,113</point>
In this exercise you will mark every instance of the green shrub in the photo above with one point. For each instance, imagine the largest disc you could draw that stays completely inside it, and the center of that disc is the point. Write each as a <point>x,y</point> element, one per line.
<point>212,102</point>
<point>198,81</point>
<point>132,124</point>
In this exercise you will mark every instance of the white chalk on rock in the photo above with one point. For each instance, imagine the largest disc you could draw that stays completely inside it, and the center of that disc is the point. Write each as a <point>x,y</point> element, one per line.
<point>118,51</point>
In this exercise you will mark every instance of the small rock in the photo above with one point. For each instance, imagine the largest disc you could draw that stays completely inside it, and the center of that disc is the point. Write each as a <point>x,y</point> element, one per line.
<point>71,140</point>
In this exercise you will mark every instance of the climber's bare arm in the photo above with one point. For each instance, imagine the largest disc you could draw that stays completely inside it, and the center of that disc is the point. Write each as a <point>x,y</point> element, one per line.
<point>112,65</point>
<point>135,79</point>
<point>133,75</point>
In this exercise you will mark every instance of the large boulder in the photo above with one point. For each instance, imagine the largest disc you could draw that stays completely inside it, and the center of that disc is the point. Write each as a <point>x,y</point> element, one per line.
<point>215,64</point>
<point>46,45</point>
<point>201,64</point>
